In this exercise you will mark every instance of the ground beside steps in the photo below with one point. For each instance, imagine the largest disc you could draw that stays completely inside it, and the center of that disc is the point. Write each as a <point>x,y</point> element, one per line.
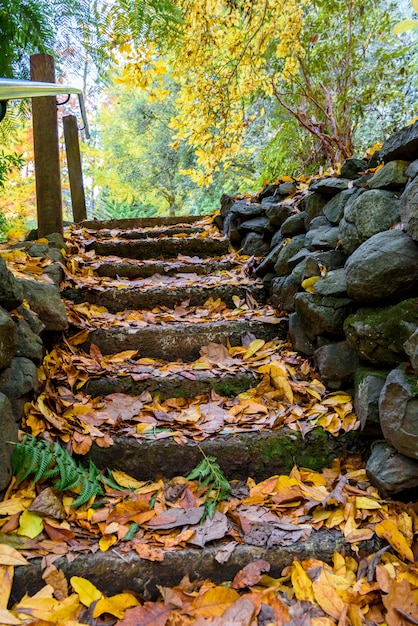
<point>173,356</point>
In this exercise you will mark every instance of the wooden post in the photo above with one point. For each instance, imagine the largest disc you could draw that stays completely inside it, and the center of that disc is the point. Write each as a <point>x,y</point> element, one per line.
<point>75,174</point>
<point>45,141</point>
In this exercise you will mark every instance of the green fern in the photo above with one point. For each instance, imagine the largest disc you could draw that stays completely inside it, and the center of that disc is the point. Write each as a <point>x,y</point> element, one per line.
<point>209,474</point>
<point>37,457</point>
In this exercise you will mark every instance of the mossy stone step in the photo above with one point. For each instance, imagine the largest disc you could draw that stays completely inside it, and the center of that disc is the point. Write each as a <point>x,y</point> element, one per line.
<point>166,248</point>
<point>258,454</point>
<point>137,298</point>
<point>145,269</point>
<point>174,385</point>
<point>141,222</point>
<point>155,233</point>
<point>112,572</point>
<point>183,341</point>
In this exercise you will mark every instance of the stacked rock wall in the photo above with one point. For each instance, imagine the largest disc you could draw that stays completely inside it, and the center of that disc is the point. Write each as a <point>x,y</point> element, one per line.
<point>341,258</point>
<point>29,310</point>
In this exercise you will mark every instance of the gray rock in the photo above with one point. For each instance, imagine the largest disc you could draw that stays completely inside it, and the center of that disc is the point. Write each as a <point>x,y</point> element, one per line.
<point>267,265</point>
<point>398,410</point>
<point>334,209</point>
<point>8,433</point>
<point>390,471</point>
<point>276,239</point>
<point>332,284</point>
<point>56,240</point>
<point>253,245</point>
<point>267,280</point>
<point>329,186</point>
<point>375,159</point>
<point>8,338</point>
<point>351,168</point>
<point>368,384</point>
<point>231,229</point>
<point>401,145</point>
<point>267,191</point>
<point>391,176</point>
<point>294,225</point>
<point>324,238</point>
<point>11,294</point>
<point>411,349</point>
<point>246,211</point>
<point>312,204</point>
<point>322,315</point>
<point>277,213</point>
<point>300,341</point>
<point>383,268</point>
<point>283,290</point>
<point>255,225</point>
<point>409,209</point>
<point>336,363</point>
<point>31,318</point>
<point>226,203</point>
<point>29,344</point>
<point>55,273</point>
<point>313,263</point>
<point>367,214</point>
<point>362,182</point>
<point>378,335</point>
<point>44,251</point>
<point>318,222</point>
<point>19,379</point>
<point>44,299</point>
<point>288,251</point>
<point>287,188</point>
<point>412,170</point>
<point>300,257</point>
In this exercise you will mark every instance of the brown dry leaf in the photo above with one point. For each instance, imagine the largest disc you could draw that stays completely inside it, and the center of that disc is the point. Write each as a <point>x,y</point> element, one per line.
<point>57,580</point>
<point>10,556</point>
<point>48,503</point>
<point>250,574</point>
<point>151,614</point>
<point>400,604</point>
<point>326,595</point>
<point>6,580</point>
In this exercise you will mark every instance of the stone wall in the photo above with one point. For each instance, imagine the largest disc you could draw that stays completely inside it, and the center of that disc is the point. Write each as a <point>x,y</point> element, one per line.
<point>340,257</point>
<point>29,311</point>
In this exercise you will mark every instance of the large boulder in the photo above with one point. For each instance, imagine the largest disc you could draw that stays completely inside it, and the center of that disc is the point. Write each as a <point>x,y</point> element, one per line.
<point>8,434</point>
<point>8,338</point>
<point>322,315</point>
<point>29,344</point>
<point>11,294</point>
<point>391,176</point>
<point>409,209</point>
<point>44,299</point>
<point>390,471</point>
<point>378,335</point>
<point>18,382</point>
<point>401,145</point>
<point>366,214</point>
<point>383,268</point>
<point>398,409</point>
<point>294,224</point>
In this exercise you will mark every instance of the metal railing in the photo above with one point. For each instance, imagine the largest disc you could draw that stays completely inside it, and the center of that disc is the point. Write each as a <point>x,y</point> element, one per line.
<point>11,89</point>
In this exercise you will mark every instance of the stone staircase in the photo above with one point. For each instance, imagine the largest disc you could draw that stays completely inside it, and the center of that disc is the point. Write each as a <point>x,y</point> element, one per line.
<point>170,289</point>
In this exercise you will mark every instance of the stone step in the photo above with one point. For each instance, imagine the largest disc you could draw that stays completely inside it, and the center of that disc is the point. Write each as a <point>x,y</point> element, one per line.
<point>135,298</point>
<point>258,454</point>
<point>165,248</point>
<point>113,268</point>
<point>155,233</point>
<point>141,222</point>
<point>113,572</point>
<point>183,341</point>
<point>173,386</point>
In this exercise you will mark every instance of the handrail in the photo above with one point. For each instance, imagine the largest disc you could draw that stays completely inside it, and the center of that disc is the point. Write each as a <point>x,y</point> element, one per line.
<point>12,89</point>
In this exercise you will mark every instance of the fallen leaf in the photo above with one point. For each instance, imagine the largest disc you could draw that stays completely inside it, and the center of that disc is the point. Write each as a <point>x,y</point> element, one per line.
<point>150,614</point>
<point>388,530</point>
<point>213,602</point>
<point>10,556</point>
<point>115,605</point>
<point>250,574</point>
<point>86,591</point>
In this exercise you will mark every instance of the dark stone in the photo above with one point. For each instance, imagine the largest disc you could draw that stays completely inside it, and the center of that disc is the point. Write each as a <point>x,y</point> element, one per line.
<point>368,384</point>
<point>254,245</point>
<point>44,299</point>
<point>318,222</point>
<point>300,341</point>
<point>362,182</point>
<point>334,209</point>
<point>11,294</point>
<point>390,471</point>
<point>411,348</point>
<point>401,145</point>
<point>8,434</point>
<point>383,268</point>
<point>391,176</point>
<point>294,225</point>
<point>278,213</point>
<point>314,263</point>
<point>324,238</point>
<point>332,284</point>
<point>374,160</point>
<point>351,168</point>
<point>412,170</point>
<point>283,290</point>
<point>32,319</point>
<point>246,210</point>
<point>19,379</point>
<point>168,248</point>
<point>255,225</point>
<point>409,209</point>
<point>312,204</point>
<point>226,203</point>
<point>321,315</point>
<point>267,191</point>
<point>231,229</point>
<point>29,344</point>
<point>336,363</point>
<point>398,409</point>
<point>8,338</point>
<point>367,214</point>
<point>288,251</point>
<point>287,188</point>
<point>277,238</point>
<point>329,186</point>
<point>267,280</point>
<point>267,265</point>
<point>378,335</point>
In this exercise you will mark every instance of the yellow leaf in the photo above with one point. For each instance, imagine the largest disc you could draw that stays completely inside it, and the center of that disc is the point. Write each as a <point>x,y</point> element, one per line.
<point>116,605</point>
<point>253,348</point>
<point>367,503</point>
<point>302,584</point>
<point>405,25</point>
<point>10,556</point>
<point>308,283</point>
<point>6,617</point>
<point>31,525</point>
<point>6,580</point>
<point>337,398</point>
<point>415,5</point>
<point>213,602</point>
<point>321,621</point>
<point>388,530</point>
<point>236,300</point>
<point>106,542</point>
<point>38,607</point>
<point>124,480</point>
<point>14,505</point>
<point>326,596</point>
<point>87,592</point>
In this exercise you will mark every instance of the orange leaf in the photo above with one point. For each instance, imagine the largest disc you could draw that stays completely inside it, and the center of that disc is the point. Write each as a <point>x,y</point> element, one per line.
<point>302,584</point>
<point>389,531</point>
<point>151,614</point>
<point>326,596</point>
<point>213,602</point>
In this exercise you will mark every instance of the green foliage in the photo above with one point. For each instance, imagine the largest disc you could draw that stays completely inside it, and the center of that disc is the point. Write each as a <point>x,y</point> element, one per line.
<point>210,476</point>
<point>37,457</point>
